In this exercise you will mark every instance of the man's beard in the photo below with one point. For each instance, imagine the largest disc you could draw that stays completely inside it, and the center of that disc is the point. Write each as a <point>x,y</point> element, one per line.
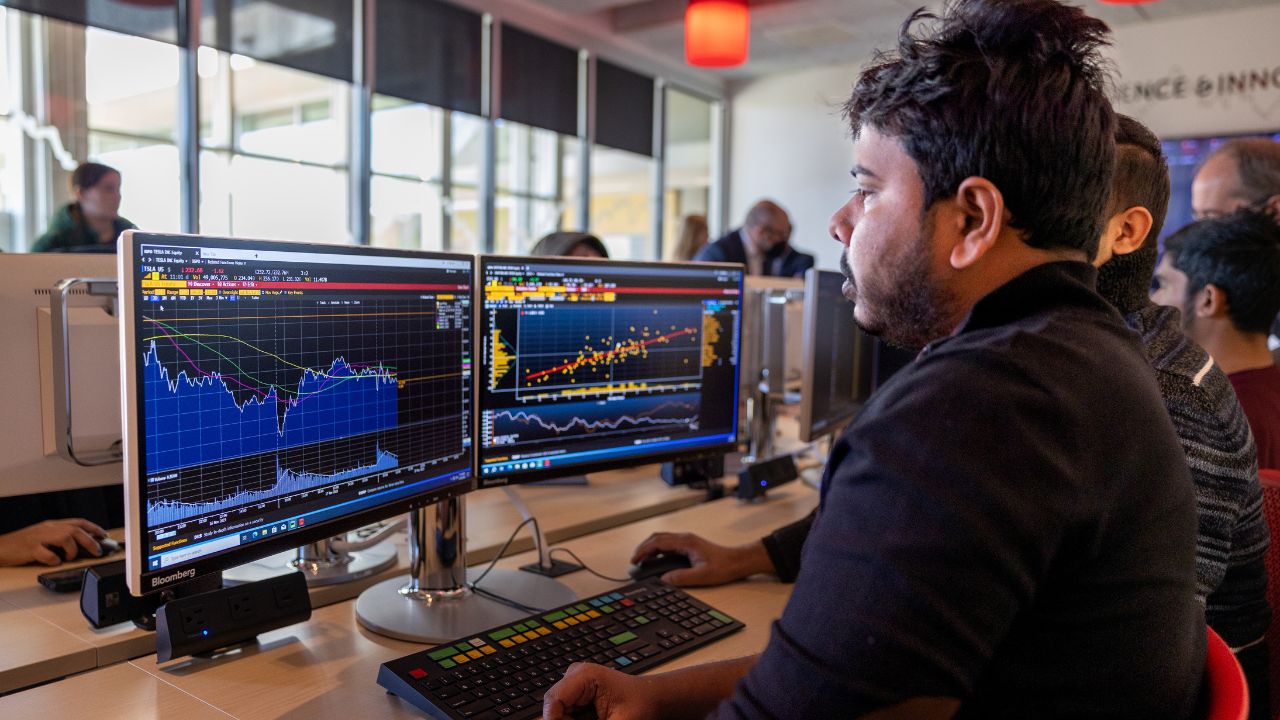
<point>1125,280</point>
<point>908,309</point>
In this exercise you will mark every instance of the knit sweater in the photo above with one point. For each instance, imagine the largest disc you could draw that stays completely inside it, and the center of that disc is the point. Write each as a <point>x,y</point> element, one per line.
<point>1230,566</point>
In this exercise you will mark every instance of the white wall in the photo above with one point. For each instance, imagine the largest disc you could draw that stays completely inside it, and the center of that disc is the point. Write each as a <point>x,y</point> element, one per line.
<point>788,142</point>
<point>1173,75</point>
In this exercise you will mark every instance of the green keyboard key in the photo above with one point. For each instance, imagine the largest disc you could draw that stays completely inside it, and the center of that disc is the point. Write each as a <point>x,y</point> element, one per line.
<point>557,615</point>
<point>582,607</point>
<point>720,616</point>
<point>533,623</point>
<point>522,628</point>
<point>442,653</point>
<point>501,634</point>
<point>622,638</point>
<point>446,664</point>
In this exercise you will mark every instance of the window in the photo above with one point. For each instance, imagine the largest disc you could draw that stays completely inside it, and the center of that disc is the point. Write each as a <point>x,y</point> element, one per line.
<point>95,95</point>
<point>688,164</point>
<point>622,202</point>
<point>537,187</point>
<point>275,163</point>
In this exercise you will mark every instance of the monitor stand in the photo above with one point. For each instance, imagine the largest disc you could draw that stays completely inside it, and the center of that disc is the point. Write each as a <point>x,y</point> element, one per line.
<point>437,604</point>
<point>320,562</point>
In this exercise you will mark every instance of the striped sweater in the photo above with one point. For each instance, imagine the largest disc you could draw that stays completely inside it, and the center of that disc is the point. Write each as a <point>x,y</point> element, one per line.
<point>1230,567</point>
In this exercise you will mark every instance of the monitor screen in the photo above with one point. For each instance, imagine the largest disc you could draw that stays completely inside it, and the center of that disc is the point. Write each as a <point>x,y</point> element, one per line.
<point>278,393</point>
<point>839,357</point>
<point>590,364</point>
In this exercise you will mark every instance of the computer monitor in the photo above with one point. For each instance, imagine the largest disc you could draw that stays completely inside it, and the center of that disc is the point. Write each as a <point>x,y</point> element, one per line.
<point>838,357</point>
<point>29,457</point>
<point>772,316</point>
<point>590,364</point>
<point>279,393</point>
<point>843,365</point>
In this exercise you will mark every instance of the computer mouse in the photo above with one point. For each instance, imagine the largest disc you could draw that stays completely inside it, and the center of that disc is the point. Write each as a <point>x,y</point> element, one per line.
<point>658,565</point>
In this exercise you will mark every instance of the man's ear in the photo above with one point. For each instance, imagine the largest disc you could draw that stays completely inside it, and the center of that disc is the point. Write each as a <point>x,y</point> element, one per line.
<point>1135,224</point>
<point>978,216</point>
<point>1210,302</point>
<point>1272,207</point>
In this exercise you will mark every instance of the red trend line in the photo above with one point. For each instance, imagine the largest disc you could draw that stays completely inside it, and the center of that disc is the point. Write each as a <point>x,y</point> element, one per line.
<point>606,356</point>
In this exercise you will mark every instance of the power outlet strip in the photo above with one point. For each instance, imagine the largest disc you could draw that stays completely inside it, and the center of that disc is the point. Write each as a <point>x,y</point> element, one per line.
<point>205,622</point>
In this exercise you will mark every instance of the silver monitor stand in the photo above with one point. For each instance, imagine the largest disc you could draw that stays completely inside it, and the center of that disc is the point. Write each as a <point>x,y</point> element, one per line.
<point>437,603</point>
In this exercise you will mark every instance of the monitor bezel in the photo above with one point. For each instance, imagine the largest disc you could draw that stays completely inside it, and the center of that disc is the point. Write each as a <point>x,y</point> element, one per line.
<point>140,581</point>
<point>810,341</point>
<point>480,362</point>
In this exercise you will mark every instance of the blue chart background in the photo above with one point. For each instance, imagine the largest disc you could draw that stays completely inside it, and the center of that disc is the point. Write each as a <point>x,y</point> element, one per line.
<point>660,413</point>
<point>193,421</point>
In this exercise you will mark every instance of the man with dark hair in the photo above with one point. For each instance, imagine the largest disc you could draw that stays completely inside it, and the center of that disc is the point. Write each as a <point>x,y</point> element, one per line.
<point>1244,172</point>
<point>763,244</point>
<point>1232,542</point>
<point>1227,285</point>
<point>1007,530</point>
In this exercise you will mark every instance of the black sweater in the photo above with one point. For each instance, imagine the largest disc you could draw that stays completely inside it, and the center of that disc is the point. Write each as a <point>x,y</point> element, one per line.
<point>988,532</point>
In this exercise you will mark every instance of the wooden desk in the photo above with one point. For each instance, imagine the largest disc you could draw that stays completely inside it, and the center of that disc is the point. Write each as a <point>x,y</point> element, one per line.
<point>121,691</point>
<point>326,668</point>
<point>564,512</point>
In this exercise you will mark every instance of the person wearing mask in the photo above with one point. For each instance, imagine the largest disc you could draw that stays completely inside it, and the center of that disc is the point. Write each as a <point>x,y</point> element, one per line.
<point>570,244</point>
<point>762,244</point>
<point>1223,273</point>
<point>693,237</point>
<point>981,542</point>
<point>93,219</point>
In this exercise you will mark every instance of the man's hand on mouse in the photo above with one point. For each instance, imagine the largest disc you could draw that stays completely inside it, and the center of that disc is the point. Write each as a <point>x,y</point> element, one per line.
<point>711,564</point>
<point>35,543</point>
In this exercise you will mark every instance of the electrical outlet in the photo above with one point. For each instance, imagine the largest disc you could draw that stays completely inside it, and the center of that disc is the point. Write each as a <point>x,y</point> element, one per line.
<point>193,620</point>
<point>241,605</point>
<point>285,596</point>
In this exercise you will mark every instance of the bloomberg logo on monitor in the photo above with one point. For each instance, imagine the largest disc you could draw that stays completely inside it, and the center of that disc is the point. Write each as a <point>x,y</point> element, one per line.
<point>173,577</point>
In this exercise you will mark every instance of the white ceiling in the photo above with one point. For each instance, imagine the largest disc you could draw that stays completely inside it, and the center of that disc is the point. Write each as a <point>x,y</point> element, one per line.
<point>794,34</point>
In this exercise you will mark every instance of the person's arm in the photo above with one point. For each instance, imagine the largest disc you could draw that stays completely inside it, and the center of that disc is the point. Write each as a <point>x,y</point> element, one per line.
<point>689,693</point>
<point>711,564</point>
<point>34,542</point>
<point>785,544</point>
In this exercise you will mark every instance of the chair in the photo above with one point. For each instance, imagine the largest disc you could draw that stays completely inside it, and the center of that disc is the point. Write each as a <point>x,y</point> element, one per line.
<point>1271,510</point>
<point>1226,695</point>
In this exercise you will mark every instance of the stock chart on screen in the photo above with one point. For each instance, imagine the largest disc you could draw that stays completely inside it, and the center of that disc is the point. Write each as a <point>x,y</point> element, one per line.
<point>591,362</point>
<point>284,387</point>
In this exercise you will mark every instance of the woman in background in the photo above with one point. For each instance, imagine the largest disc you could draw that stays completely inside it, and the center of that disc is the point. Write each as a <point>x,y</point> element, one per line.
<point>693,235</point>
<point>93,219</point>
<point>570,244</point>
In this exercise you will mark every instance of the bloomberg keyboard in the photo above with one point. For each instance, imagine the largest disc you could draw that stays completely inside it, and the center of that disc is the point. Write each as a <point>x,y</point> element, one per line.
<point>504,672</point>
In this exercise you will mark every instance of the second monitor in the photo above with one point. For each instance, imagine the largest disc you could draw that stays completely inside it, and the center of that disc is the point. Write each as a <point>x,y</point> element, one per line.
<point>591,364</point>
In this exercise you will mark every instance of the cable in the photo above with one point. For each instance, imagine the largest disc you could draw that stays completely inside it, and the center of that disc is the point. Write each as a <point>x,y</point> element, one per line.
<point>474,585</point>
<point>577,559</point>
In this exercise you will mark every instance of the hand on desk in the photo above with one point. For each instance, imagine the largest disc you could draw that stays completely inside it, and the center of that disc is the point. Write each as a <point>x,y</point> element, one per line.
<point>36,543</point>
<point>612,695</point>
<point>712,564</point>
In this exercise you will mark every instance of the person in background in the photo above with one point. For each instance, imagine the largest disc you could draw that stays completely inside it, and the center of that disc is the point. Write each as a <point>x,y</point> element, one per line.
<point>93,218</point>
<point>1243,172</point>
<point>570,244</point>
<point>762,244</point>
<point>1224,274</point>
<point>693,237</point>
<point>982,549</point>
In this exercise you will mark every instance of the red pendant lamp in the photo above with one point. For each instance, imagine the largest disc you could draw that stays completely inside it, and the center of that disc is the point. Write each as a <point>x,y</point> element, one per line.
<point>716,33</point>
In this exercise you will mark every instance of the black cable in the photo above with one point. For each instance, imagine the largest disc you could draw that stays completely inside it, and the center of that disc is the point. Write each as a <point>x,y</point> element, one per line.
<point>474,585</point>
<point>574,555</point>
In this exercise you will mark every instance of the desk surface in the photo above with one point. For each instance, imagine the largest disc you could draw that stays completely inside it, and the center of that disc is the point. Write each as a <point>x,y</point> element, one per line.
<point>326,667</point>
<point>611,499</point>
